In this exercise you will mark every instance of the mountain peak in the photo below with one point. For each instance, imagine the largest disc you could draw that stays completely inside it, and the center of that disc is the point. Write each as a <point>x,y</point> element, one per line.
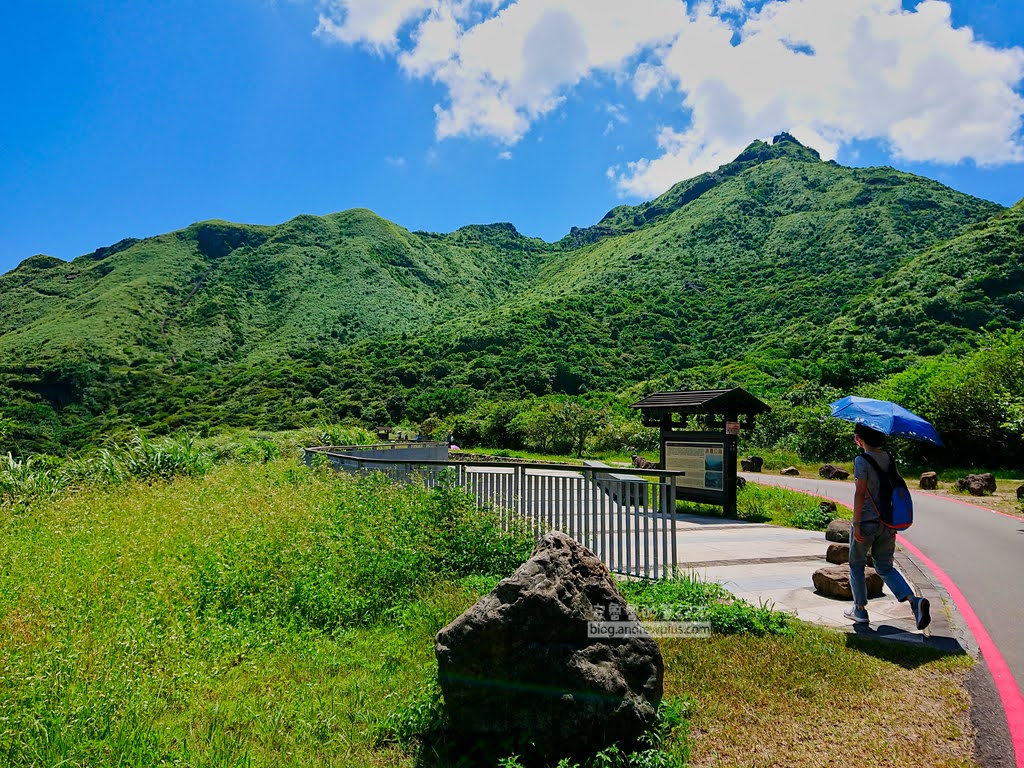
<point>783,145</point>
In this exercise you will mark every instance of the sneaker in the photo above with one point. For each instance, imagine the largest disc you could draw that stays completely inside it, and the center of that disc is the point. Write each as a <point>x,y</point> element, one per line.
<point>922,611</point>
<point>857,615</point>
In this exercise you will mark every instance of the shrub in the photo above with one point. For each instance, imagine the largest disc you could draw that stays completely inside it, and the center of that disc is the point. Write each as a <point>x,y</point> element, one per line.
<point>145,459</point>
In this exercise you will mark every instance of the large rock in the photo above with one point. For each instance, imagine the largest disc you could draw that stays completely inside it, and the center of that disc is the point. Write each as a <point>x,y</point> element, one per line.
<point>752,464</point>
<point>1020,493</point>
<point>519,664</point>
<point>929,481</point>
<point>832,472</point>
<point>977,485</point>
<point>789,471</point>
<point>639,462</point>
<point>835,582</point>
<point>838,531</point>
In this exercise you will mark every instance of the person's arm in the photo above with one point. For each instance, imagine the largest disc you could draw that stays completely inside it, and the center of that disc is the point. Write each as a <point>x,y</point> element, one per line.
<point>860,491</point>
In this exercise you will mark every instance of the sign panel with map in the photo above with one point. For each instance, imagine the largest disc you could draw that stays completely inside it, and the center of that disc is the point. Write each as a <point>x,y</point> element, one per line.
<point>703,463</point>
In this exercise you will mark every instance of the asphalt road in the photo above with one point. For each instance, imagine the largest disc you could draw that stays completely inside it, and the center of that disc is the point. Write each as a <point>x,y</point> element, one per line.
<point>981,551</point>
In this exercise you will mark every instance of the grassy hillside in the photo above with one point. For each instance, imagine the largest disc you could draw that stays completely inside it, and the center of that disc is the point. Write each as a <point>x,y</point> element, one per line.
<point>756,268</point>
<point>943,297</point>
<point>774,269</point>
<point>224,292</point>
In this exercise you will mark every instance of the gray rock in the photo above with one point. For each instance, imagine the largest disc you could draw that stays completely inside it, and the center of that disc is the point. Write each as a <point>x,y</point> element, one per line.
<point>519,664</point>
<point>838,531</point>
<point>929,481</point>
<point>789,471</point>
<point>832,472</point>
<point>835,582</point>
<point>838,554</point>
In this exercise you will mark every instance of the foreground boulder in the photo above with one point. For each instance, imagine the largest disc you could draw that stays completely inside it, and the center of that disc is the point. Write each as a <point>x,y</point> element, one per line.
<point>519,666</point>
<point>835,582</point>
<point>832,472</point>
<point>929,481</point>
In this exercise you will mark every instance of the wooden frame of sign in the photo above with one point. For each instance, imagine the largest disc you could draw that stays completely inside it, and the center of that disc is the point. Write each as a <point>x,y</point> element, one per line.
<point>708,455</point>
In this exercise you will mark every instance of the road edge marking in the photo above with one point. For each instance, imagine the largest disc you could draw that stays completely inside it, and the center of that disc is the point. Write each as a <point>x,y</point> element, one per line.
<point>1009,692</point>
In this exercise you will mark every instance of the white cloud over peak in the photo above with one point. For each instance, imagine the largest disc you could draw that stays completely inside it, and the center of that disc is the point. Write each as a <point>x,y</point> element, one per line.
<point>829,71</point>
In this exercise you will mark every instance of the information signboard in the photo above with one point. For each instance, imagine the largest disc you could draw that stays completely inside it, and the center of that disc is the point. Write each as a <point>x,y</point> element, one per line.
<point>703,463</point>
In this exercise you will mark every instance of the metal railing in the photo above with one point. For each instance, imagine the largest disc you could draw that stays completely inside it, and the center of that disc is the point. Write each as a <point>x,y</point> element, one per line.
<point>626,517</point>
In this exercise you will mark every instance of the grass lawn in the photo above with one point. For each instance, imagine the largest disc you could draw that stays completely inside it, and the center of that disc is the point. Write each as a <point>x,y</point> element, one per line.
<point>820,697</point>
<point>272,615</point>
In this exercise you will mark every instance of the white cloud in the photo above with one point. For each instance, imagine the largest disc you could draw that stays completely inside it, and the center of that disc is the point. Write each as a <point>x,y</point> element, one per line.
<point>373,22</point>
<point>395,161</point>
<point>618,116</point>
<point>505,155</point>
<point>829,71</point>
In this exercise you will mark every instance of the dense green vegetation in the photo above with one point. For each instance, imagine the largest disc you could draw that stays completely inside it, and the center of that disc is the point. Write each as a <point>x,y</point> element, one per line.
<point>798,279</point>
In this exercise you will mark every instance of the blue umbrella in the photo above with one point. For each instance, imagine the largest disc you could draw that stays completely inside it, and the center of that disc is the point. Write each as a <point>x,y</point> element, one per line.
<point>888,418</point>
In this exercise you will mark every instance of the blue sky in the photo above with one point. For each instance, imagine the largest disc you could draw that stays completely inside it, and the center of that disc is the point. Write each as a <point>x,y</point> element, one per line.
<point>127,119</point>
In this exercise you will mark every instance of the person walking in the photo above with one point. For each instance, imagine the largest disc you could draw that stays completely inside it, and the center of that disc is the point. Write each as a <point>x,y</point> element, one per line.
<point>868,535</point>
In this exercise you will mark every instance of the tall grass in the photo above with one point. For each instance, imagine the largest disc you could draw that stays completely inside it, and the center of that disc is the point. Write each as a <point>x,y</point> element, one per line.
<point>258,614</point>
<point>24,482</point>
<point>270,614</point>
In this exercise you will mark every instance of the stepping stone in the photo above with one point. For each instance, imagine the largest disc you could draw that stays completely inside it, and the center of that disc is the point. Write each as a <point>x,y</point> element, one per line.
<point>835,582</point>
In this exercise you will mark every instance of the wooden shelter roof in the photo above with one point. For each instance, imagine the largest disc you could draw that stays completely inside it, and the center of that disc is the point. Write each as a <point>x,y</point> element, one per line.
<point>718,401</point>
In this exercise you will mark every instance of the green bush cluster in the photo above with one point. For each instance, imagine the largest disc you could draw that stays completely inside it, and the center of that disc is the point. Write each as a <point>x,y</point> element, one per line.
<point>814,518</point>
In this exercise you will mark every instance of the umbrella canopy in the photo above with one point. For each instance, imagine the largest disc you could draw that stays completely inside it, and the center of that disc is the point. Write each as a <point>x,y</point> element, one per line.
<point>886,417</point>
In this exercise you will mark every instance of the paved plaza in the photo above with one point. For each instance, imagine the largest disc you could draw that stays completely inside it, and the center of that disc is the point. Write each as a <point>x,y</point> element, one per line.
<point>768,564</point>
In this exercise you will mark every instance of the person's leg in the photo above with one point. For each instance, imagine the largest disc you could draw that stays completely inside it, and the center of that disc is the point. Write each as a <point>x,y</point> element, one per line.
<point>883,549</point>
<point>858,559</point>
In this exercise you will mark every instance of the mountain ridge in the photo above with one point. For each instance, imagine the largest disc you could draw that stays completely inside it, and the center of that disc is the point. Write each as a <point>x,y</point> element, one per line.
<point>768,266</point>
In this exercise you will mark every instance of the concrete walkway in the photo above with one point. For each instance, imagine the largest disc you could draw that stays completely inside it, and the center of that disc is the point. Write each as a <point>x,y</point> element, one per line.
<point>768,564</point>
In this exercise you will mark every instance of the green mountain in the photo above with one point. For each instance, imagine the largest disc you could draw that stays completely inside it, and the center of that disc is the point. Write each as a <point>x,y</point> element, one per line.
<point>776,267</point>
<point>225,292</point>
<point>943,297</point>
